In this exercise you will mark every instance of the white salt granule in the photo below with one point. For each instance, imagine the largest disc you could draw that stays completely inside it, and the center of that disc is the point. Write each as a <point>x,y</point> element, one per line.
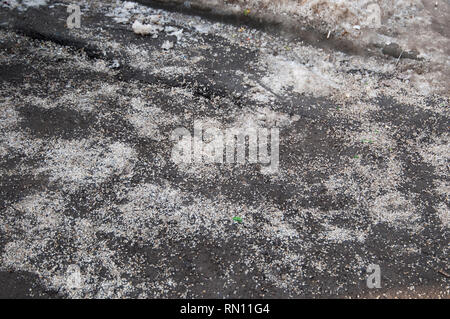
<point>167,45</point>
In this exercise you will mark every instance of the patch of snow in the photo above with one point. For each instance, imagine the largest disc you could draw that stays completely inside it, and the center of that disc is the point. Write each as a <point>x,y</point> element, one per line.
<point>146,29</point>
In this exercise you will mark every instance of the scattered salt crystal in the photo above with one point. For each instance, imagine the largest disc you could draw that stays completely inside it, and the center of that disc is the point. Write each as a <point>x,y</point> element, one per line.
<point>167,45</point>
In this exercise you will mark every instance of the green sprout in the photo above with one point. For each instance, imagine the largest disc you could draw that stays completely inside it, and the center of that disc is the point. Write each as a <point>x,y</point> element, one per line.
<point>237,219</point>
<point>246,12</point>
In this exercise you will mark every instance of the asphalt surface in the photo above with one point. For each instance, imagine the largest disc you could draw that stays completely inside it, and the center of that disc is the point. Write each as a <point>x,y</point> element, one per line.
<point>88,181</point>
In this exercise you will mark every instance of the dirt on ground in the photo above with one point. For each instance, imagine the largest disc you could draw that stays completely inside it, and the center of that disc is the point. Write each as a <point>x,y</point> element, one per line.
<point>99,200</point>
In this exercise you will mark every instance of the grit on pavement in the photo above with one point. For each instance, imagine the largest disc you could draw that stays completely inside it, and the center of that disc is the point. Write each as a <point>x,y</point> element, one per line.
<point>93,203</point>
